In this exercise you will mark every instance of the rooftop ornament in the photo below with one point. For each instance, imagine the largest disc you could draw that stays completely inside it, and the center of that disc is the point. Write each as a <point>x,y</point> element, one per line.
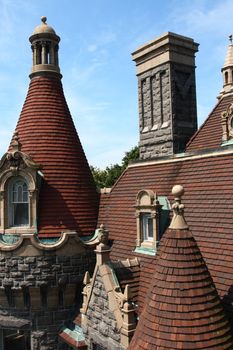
<point>230,38</point>
<point>178,221</point>
<point>15,144</point>
<point>44,19</point>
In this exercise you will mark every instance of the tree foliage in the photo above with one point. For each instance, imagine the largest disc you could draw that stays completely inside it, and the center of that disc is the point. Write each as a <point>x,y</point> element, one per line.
<point>108,176</point>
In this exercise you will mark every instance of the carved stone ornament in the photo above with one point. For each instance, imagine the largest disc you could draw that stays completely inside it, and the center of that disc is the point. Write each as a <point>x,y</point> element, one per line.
<point>18,160</point>
<point>103,234</point>
<point>227,123</point>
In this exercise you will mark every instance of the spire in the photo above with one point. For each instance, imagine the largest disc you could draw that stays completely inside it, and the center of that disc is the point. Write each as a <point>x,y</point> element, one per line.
<point>227,70</point>
<point>182,309</point>
<point>45,47</point>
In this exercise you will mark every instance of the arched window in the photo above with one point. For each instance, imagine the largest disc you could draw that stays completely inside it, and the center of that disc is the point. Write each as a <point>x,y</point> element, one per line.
<point>18,214</point>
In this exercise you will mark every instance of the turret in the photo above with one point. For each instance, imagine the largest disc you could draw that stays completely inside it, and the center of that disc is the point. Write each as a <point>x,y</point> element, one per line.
<point>45,47</point>
<point>227,71</point>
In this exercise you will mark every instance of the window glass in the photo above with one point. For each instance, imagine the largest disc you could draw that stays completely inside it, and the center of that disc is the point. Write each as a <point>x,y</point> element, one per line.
<point>147,226</point>
<point>18,203</point>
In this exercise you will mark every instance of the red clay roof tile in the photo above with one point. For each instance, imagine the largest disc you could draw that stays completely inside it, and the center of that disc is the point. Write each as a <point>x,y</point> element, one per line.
<point>182,312</point>
<point>208,200</point>
<point>209,135</point>
<point>68,199</point>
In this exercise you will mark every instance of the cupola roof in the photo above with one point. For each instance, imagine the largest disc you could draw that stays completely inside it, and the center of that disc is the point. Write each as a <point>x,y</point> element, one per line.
<point>183,309</point>
<point>68,200</point>
<point>43,27</point>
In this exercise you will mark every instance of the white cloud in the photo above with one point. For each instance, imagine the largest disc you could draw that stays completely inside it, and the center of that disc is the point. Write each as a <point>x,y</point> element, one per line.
<point>201,17</point>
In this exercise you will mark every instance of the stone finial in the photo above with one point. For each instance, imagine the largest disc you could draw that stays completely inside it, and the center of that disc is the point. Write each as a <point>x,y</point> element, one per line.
<point>87,278</point>
<point>15,144</point>
<point>230,38</point>
<point>129,319</point>
<point>127,292</point>
<point>103,234</point>
<point>102,253</point>
<point>43,19</point>
<point>178,221</point>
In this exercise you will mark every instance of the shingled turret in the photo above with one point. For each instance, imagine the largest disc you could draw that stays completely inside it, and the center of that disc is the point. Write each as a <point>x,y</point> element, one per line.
<point>183,309</point>
<point>68,199</point>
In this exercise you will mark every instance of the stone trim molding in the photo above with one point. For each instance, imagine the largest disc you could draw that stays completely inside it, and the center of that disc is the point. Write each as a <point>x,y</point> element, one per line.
<point>227,123</point>
<point>18,164</point>
<point>27,238</point>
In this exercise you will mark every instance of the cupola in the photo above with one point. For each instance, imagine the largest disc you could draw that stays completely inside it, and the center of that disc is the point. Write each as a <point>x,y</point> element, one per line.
<point>227,70</point>
<point>45,47</point>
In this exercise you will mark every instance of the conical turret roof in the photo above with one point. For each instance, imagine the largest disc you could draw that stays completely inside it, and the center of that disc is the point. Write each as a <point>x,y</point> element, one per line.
<point>68,199</point>
<point>183,309</point>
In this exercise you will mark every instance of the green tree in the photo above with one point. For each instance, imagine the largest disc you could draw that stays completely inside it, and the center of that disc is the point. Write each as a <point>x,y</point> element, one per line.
<point>108,176</point>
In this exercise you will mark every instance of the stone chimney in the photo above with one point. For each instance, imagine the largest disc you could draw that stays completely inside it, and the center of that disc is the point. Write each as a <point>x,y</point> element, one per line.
<point>166,94</point>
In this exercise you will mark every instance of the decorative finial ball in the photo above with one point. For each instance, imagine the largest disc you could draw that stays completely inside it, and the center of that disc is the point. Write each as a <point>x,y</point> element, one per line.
<point>178,191</point>
<point>43,19</point>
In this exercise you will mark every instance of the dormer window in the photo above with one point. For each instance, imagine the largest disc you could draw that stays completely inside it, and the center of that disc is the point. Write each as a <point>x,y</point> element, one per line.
<point>18,202</point>
<point>147,217</point>
<point>18,191</point>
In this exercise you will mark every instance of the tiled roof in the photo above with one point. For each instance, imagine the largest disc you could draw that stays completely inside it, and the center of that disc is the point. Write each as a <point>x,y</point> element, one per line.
<point>183,309</point>
<point>209,135</point>
<point>68,199</point>
<point>208,199</point>
<point>128,273</point>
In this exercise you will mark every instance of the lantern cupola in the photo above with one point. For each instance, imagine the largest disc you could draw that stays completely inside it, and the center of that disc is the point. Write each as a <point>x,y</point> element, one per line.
<point>45,46</point>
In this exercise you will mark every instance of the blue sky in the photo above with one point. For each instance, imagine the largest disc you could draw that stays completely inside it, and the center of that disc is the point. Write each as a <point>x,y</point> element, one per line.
<point>97,38</point>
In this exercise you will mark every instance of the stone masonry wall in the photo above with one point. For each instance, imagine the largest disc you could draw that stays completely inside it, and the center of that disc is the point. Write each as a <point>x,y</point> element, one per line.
<point>184,110</point>
<point>154,96</point>
<point>45,290</point>
<point>101,325</point>
<point>50,270</point>
<point>167,109</point>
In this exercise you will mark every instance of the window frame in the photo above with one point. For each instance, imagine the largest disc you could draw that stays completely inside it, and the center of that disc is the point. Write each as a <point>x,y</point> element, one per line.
<point>146,227</point>
<point>11,202</point>
<point>30,177</point>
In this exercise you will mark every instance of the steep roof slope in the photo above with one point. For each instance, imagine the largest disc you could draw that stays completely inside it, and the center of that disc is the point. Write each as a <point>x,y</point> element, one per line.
<point>209,135</point>
<point>209,204</point>
<point>183,309</point>
<point>68,199</point>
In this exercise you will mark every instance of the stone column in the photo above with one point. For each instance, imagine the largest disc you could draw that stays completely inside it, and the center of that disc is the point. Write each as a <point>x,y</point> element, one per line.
<point>129,321</point>
<point>51,54</point>
<point>44,54</point>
